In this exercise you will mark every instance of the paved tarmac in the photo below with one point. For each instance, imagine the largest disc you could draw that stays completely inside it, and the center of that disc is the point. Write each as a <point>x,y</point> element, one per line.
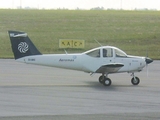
<point>30,92</point>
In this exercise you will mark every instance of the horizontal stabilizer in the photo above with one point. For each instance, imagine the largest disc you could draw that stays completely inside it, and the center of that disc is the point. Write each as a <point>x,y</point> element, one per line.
<point>18,35</point>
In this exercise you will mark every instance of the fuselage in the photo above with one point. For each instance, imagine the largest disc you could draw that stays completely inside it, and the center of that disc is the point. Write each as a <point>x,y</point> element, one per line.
<point>89,61</point>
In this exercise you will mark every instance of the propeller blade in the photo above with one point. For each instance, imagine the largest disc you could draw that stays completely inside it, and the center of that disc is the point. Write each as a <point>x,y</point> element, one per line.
<point>147,70</point>
<point>148,61</point>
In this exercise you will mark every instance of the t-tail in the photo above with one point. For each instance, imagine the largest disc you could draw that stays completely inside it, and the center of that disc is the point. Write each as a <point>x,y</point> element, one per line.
<point>21,45</point>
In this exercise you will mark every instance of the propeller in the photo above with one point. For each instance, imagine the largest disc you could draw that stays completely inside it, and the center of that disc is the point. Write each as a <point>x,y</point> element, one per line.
<point>148,61</point>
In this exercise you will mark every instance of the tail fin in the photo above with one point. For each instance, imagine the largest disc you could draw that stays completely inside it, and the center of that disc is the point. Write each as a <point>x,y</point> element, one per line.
<point>21,44</point>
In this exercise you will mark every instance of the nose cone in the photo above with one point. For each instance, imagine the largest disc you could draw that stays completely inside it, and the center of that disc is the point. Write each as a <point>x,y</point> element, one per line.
<point>148,60</point>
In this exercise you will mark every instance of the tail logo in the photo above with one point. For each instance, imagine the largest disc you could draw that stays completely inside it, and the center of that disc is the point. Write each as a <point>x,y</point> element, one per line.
<point>23,47</point>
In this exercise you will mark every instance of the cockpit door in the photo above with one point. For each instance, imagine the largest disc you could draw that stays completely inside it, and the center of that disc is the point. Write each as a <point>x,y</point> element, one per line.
<point>107,55</point>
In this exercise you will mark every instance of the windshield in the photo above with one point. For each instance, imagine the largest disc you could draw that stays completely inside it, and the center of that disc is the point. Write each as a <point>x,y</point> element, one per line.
<point>120,53</point>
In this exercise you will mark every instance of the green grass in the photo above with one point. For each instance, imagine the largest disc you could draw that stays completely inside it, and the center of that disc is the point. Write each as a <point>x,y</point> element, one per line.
<point>135,32</point>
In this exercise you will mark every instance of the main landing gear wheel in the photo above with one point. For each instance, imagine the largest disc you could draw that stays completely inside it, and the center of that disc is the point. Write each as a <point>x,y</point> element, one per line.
<point>135,80</point>
<point>105,81</point>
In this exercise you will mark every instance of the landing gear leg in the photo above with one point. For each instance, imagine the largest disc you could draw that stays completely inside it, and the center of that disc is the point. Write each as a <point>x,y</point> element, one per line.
<point>102,78</point>
<point>105,80</point>
<point>135,80</point>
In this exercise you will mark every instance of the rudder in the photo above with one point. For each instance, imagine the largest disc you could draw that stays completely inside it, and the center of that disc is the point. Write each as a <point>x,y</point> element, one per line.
<point>22,45</point>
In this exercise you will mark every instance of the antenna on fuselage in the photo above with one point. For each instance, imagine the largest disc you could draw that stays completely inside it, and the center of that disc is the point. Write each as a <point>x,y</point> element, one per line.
<point>98,42</point>
<point>65,51</point>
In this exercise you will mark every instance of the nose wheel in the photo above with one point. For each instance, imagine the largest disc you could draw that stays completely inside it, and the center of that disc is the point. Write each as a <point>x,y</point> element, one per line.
<point>105,81</point>
<point>135,80</point>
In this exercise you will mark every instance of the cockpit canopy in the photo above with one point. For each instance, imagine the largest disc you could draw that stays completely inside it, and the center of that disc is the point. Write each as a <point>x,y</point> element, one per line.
<point>106,51</point>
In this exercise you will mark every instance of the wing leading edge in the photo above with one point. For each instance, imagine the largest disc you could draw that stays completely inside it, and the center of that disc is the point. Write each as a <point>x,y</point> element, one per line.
<point>109,68</point>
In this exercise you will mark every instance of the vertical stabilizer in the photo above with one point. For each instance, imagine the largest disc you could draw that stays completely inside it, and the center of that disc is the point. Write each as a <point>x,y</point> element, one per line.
<point>21,45</point>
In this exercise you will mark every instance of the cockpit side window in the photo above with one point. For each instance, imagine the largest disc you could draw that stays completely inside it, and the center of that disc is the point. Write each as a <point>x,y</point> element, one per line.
<point>95,53</point>
<point>107,52</point>
<point>119,53</point>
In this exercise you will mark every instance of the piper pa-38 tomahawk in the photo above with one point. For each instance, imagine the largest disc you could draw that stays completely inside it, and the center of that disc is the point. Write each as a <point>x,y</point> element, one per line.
<point>104,60</point>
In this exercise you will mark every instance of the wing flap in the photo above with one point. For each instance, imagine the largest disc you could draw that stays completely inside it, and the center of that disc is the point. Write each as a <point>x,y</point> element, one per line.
<point>110,68</point>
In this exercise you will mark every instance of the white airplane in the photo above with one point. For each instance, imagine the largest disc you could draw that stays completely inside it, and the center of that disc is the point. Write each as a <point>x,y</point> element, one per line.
<point>104,60</point>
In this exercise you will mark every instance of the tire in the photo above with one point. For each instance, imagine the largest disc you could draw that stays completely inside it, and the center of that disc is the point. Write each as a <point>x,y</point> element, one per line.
<point>107,82</point>
<point>135,81</point>
<point>101,79</point>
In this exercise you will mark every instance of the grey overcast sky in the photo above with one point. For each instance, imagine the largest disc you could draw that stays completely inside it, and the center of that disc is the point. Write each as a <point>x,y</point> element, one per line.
<point>83,4</point>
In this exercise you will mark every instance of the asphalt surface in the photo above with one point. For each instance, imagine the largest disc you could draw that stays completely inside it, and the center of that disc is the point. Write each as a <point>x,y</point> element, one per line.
<point>30,92</point>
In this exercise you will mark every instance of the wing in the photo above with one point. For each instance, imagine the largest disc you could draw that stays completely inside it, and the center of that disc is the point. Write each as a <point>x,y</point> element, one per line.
<point>109,68</point>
